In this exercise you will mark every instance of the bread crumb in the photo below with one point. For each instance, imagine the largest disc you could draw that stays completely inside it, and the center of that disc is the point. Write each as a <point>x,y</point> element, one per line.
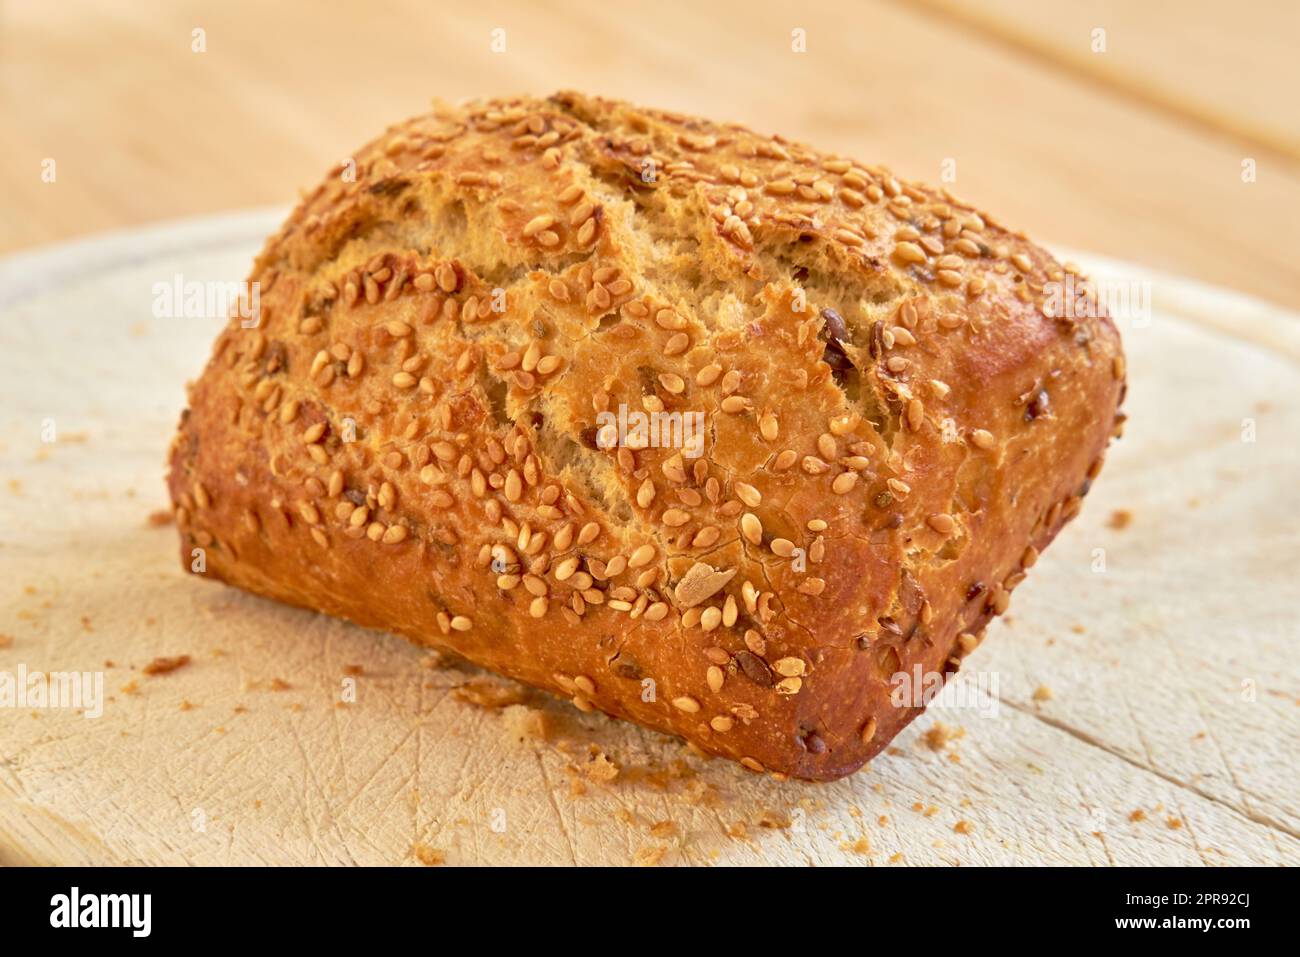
<point>1120,519</point>
<point>896,857</point>
<point>160,518</point>
<point>737,831</point>
<point>663,829</point>
<point>773,820</point>
<point>355,670</point>
<point>487,693</point>
<point>964,827</point>
<point>279,684</point>
<point>1042,693</point>
<point>524,723</point>
<point>649,856</point>
<point>1173,823</point>
<point>185,705</point>
<point>429,856</point>
<point>131,687</point>
<point>6,641</point>
<point>1138,815</point>
<point>599,767</point>
<point>940,734</point>
<point>163,666</point>
<point>861,846</point>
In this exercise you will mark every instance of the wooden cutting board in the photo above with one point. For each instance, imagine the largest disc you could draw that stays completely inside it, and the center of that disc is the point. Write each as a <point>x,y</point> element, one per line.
<point>1147,707</point>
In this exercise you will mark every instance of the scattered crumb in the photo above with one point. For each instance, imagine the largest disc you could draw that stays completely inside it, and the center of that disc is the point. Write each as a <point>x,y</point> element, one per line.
<point>931,811</point>
<point>773,820</point>
<point>940,734</point>
<point>738,831</point>
<point>1173,823</point>
<point>435,660</point>
<point>1042,693</point>
<point>861,846</point>
<point>162,666</point>
<point>185,705</point>
<point>85,623</point>
<point>160,518</point>
<point>663,829</point>
<point>487,693</point>
<point>599,767</point>
<point>524,723</point>
<point>964,827</point>
<point>6,641</point>
<point>279,684</point>
<point>883,820</point>
<point>429,856</point>
<point>1078,629</point>
<point>1138,815</point>
<point>1120,519</point>
<point>896,858</point>
<point>649,856</point>
<point>131,687</point>
<point>239,709</point>
<point>354,670</point>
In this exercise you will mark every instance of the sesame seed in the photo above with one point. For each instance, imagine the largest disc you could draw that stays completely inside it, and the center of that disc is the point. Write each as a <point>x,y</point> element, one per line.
<point>789,667</point>
<point>708,375</point>
<point>461,623</point>
<point>942,523</point>
<point>909,252</point>
<point>748,494</point>
<point>868,730</point>
<point>915,414</point>
<point>538,223</point>
<point>672,383</point>
<point>844,483</point>
<point>687,704</point>
<point>782,547</point>
<point>983,439</point>
<point>751,528</point>
<point>642,556</point>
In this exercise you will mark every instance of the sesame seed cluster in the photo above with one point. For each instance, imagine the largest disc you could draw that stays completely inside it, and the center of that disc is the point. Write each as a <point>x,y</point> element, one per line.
<point>895,419</point>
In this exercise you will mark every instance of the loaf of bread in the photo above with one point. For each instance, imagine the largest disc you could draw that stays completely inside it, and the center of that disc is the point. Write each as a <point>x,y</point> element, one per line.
<point>697,427</point>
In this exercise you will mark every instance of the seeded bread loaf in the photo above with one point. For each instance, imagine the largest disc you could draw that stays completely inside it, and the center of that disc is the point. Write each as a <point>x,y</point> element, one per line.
<point>433,428</point>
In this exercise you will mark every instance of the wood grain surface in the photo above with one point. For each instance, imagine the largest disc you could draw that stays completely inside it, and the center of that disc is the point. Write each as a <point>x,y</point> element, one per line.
<point>1146,710</point>
<point>1135,152</point>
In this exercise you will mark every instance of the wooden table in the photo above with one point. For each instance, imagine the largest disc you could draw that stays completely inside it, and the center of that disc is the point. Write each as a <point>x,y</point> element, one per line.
<point>1135,152</point>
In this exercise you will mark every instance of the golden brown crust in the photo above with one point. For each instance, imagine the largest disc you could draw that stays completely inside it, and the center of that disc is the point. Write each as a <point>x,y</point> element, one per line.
<point>895,422</point>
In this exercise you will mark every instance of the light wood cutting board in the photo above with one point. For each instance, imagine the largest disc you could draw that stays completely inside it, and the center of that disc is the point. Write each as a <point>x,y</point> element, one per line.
<point>1148,703</point>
